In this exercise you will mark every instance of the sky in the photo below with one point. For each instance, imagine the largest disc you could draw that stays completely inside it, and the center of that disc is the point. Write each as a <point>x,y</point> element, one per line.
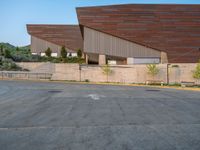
<point>15,14</point>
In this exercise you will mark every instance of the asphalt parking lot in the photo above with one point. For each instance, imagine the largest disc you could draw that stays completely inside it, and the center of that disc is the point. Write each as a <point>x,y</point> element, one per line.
<point>56,116</point>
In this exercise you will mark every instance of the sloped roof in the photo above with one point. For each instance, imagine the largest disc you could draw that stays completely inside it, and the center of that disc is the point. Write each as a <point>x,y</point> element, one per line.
<point>174,29</point>
<point>62,35</point>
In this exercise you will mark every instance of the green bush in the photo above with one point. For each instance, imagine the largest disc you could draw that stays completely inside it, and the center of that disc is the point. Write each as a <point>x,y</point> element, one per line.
<point>152,70</point>
<point>174,84</point>
<point>175,66</point>
<point>48,52</point>
<point>19,54</point>
<point>1,50</point>
<point>17,49</point>
<point>79,53</point>
<point>55,61</point>
<point>63,52</point>
<point>1,61</point>
<point>9,65</point>
<point>106,69</point>
<point>7,54</point>
<point>196,73</point>
<point>73,60</point>
<point>24,55</point>
<point>87,80</point>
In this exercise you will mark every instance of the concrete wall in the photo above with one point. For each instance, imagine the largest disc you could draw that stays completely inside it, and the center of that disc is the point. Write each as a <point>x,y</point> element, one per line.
<point>123,73</point>
<point>30,66</point>
<point>43,67</point>
<point>182,73</point>
<point>69,72</point>
<point>138,73</point>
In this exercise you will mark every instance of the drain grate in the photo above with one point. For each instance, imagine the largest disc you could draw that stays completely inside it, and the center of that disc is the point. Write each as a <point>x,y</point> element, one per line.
<point>152,90</point>
<point>54,91</point>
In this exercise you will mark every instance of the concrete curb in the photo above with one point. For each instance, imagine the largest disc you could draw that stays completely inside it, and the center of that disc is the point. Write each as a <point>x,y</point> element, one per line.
<point>110,84</point>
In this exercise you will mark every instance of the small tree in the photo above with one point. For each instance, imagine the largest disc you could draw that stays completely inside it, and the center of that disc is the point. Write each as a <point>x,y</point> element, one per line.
<point>107,70</point>
<point>152,70</point>
<point>48,52</point>
<point>63,52</point>
<point>17,49</point>
<point>79,53</point>
<point>1,50</point>
<point>7,54</point>
<point>196,73</point>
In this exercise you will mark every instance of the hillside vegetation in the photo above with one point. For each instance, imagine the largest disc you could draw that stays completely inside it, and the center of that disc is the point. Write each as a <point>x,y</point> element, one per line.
<point>23,54</point>
<point>17,54</point>
<point>8,53</point>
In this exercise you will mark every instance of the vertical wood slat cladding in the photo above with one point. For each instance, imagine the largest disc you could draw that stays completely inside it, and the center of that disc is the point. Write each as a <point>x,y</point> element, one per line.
<point>40,46</point>
<point>101,43</point>
<point>174,29</point>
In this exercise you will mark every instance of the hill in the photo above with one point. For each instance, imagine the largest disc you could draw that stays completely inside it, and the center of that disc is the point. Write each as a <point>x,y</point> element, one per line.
<point>12,47</point>
<point>7,46</point>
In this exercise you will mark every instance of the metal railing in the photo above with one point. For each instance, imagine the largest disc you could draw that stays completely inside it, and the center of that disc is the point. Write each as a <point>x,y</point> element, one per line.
<point>24,75</point>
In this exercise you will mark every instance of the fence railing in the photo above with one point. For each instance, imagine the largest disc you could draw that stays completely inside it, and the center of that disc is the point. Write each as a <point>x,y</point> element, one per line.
<point>24,75</point>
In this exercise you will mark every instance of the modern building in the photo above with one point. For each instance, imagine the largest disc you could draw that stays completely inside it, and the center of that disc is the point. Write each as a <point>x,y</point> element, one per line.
<point>126,34</point>
<point>141,33</point>
<point>55,37</point>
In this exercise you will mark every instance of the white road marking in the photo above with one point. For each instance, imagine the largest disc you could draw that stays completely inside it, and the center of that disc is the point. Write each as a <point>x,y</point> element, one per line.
<point>95,96</point>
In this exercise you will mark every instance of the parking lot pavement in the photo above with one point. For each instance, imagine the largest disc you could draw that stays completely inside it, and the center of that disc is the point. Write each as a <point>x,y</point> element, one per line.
<point>56,116</point>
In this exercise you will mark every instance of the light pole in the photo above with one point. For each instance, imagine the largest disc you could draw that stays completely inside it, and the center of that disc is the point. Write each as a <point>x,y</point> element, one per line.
<point>168,73</point>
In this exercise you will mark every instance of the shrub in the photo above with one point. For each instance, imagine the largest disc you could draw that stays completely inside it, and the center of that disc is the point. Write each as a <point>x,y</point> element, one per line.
<point>1,62</point>
<point>175,66</point>
<point>79,53</point>
<point>63,52</point>
<point>87,80</point>
<point>56,61</point>
<point>9,65</point>
<point>107,70</point>
<point>17,49</point>
<point>152,70</point>
<point>1,50</point>
<point>70,54</point>
<point>196,73</point>
<point>7,54</point>
<point>48,52</point>
<point>175,84</point>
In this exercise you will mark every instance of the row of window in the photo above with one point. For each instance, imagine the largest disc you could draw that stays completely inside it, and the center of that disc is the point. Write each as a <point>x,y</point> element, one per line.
<point>56,54</point>
<point>131,61</point>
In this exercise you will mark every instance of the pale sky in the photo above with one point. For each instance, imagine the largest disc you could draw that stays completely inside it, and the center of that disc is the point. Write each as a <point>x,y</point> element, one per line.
<point>15,14</point>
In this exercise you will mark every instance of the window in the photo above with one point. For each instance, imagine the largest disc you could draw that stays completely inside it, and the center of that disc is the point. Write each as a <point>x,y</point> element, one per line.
<point>71,54</point>
<point>112,62</point>
<point>143,60</point>
<point>42,54</point>
<point>146,60</point>
<point>54,54</point>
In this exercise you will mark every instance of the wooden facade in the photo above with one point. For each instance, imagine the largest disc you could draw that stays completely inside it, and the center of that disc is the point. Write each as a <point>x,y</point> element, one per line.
<point>54,37</point>
<point>169,28</point>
